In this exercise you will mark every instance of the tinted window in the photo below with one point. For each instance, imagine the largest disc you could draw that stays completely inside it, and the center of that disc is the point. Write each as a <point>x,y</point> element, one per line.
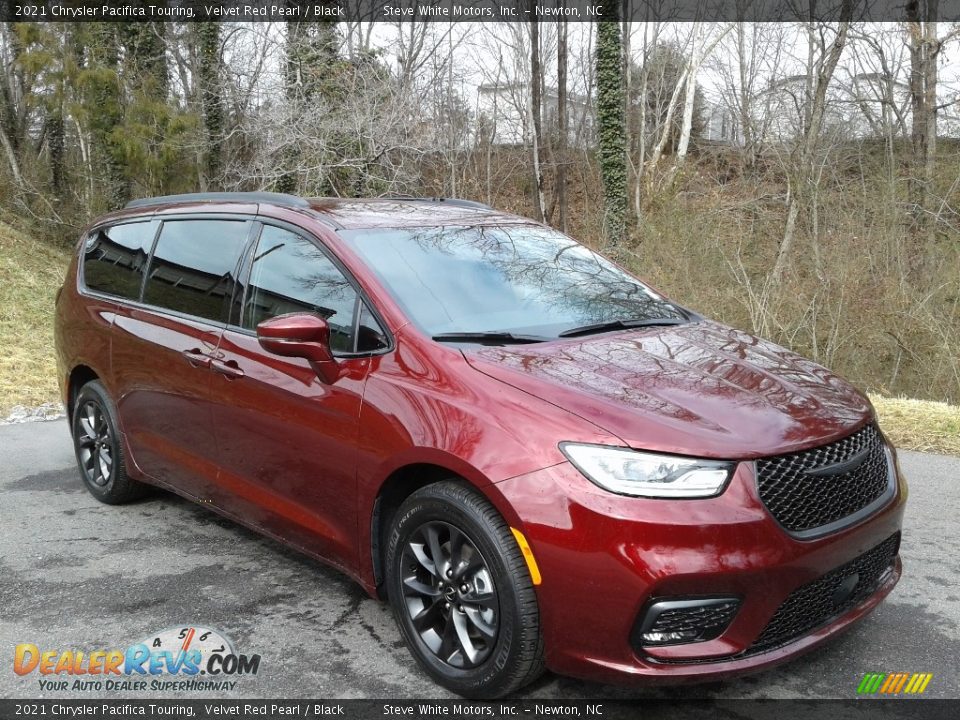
<point>519,279</point>
<point>290,274</point>
<point>193,266</point>
<point>370,336</point>
<point>114,259</point>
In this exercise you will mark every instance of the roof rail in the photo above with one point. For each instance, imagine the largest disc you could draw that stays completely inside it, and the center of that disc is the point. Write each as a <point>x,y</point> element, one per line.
<point>458,202</point>
<point>247,197</point>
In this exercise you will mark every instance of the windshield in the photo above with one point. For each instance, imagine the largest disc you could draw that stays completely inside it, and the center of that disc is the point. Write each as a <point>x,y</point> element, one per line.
<point>512,279</point>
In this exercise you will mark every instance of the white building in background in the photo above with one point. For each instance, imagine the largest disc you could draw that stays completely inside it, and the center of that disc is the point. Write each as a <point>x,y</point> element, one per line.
<point>879,104</point>
<point>503,114</point>
<point>720,123</point>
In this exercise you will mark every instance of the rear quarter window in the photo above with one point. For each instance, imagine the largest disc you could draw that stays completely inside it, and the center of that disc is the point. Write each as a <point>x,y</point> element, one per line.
<point>194,265</point>
<point>115,258</point>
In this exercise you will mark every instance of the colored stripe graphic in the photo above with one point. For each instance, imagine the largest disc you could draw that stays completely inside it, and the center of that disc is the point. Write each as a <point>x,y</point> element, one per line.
<point>913,684</point>
<point>888,683</point>
<point>894,683</point>
<point>900,682</point>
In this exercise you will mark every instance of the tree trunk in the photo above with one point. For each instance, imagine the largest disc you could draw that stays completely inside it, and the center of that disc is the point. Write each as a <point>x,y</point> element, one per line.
<point>827,66</point>
<point>536,104</point>
<point>209,78</point>
<point>11,158</point>
<point>746,86</point>
<point>105,110</point>
<point>610,128</point>
<point>57,150</point>
<point>689,96</point>
<point>924,48</point>
<point>561,152</point>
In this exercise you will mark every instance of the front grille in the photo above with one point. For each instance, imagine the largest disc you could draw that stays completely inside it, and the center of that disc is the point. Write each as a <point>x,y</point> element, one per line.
<point>808,490</point>
<point>816,603</point>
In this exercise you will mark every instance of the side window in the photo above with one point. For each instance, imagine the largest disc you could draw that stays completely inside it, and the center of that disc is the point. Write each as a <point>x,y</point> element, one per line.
<point>370,336</point>
<point>193,265</point>
<point>290,274</point>
<point>114,259</point>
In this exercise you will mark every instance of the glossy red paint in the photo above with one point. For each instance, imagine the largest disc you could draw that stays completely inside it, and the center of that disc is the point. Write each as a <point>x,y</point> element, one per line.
<point>601,558</point>
<point>299,335</point>
<point>208,411</point>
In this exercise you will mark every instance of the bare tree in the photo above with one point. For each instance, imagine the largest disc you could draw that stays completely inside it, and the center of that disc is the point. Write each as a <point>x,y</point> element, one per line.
<point>560,193</point>
<point>702,43</point>
<point>925,48</point>
<point>824,57</point>
<point>536,120</point>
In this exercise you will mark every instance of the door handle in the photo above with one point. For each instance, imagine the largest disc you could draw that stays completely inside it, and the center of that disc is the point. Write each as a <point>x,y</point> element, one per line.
<point>197,358</point>
<point>228,369</point>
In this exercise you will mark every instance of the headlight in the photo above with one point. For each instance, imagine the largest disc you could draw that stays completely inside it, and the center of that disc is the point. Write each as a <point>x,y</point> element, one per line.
<point>629,472</point>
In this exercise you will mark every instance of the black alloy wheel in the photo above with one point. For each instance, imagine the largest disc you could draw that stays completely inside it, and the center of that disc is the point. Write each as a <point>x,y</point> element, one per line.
<point>95,444</point>
<point>450,594</point>
<point>461,592</point>
<point>98,447</point>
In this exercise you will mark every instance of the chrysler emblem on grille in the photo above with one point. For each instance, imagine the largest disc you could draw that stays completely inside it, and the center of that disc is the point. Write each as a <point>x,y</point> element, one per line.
<point>840,468</point>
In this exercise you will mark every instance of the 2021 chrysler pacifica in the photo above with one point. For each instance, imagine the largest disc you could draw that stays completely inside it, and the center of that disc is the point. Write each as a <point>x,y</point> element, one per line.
<point>536,458</point>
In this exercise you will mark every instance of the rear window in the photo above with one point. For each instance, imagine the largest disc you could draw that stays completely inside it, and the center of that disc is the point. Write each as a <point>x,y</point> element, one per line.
<point>115,257</point>
<point>194,265</point>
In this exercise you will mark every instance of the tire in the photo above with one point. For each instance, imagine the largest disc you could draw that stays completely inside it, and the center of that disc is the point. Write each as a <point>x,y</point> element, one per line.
<point>477,627</point>
<point>99,451</point>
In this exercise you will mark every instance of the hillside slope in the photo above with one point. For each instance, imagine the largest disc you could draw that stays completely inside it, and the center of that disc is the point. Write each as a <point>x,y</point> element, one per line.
<point>30,273</point>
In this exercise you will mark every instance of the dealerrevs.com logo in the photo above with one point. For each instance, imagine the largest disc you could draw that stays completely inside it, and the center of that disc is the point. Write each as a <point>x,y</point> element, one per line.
<point>177,659</point>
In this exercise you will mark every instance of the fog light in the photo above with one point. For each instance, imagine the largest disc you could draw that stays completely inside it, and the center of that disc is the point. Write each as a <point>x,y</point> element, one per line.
<point>677,621</point>
<point>666,638</point>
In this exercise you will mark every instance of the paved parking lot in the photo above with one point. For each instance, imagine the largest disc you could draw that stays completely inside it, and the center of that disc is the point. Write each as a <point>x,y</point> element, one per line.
<point>79,575</point>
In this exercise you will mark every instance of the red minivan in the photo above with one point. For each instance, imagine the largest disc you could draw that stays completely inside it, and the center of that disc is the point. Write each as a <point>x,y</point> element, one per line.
<point>536,458</point>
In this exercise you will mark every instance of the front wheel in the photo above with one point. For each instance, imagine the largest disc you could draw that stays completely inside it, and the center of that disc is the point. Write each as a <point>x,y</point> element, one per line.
<point>461,592</point>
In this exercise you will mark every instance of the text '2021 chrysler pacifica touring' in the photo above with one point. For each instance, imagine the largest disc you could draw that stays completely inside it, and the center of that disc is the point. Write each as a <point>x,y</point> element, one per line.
<point>536,458</point>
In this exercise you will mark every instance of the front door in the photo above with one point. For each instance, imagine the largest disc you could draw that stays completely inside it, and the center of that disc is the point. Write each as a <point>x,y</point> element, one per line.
<point>287,441</point>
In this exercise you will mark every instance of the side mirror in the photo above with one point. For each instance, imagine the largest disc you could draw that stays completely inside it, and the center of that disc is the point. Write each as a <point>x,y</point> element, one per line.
<point>301,335</point>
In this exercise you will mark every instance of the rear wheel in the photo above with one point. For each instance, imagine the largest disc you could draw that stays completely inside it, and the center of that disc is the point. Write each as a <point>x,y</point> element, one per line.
<point>461,593</point>
<point>98,448</point>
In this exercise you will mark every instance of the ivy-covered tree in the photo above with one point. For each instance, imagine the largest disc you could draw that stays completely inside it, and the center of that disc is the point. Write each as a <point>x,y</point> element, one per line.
<point>611,126</point>
<point>210,78</point>
<point>102,110</point>
<point>312,76</point>
<point>156,131</point>
<point>312,47</point>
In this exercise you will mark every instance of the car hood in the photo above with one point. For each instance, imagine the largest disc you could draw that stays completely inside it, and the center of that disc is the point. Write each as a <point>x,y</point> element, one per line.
<point>696,389</point>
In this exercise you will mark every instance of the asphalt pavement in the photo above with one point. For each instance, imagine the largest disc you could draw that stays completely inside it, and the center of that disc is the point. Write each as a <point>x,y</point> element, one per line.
<point>75,574</point>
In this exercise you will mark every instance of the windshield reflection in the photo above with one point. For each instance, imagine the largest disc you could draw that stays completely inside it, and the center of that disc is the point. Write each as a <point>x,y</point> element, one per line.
<point>516,279</point>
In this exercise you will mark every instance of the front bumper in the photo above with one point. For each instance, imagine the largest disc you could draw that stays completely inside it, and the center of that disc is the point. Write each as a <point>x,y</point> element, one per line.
<point>603,557</point>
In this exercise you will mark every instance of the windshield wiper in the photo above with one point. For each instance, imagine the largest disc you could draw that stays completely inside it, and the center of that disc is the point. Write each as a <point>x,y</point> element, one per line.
<point>493,337</point>
<point>620,325</point>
